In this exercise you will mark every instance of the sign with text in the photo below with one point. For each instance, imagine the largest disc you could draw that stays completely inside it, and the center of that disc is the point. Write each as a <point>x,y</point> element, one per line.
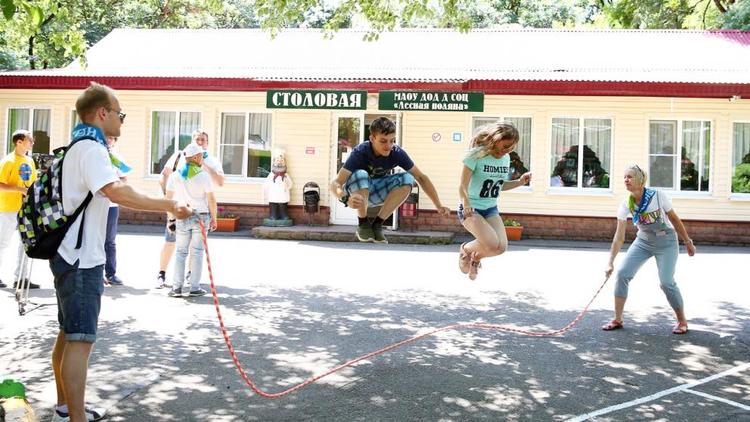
<point>315,100</point>
<point>431,101</point>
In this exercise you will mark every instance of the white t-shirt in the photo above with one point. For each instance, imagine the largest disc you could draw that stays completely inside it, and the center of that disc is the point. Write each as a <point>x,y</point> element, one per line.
<point>209,161</point>
<point>192,191</point>
<point>87,168</point>
<point>654,218</point>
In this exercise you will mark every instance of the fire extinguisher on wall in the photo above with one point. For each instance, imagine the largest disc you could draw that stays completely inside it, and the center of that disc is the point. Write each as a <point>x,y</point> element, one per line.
<point>410,207</point>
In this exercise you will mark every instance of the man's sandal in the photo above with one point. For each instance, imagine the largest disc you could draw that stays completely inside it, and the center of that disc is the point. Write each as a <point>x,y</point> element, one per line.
<point>612,325</point>
<point>680,328</point>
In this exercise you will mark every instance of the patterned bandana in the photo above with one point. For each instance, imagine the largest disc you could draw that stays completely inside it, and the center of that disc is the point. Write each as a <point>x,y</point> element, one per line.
<point>190,170</point>
<point>645,200</point>
<point>84,131</point>
<point>119,164</point>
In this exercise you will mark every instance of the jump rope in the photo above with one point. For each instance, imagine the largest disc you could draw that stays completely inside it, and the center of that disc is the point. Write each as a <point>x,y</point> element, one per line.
<point>475,325</point>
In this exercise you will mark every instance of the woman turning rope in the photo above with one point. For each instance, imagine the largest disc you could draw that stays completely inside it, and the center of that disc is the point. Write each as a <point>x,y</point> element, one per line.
<point>657,222</point>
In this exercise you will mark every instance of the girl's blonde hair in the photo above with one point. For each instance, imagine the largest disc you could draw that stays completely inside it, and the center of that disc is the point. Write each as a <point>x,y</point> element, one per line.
<point>639,174</point>
<point>487,136</point>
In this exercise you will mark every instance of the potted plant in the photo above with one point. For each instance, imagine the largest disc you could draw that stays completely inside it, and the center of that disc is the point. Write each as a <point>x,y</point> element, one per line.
<point>513,229</point>
<point>226,221</point>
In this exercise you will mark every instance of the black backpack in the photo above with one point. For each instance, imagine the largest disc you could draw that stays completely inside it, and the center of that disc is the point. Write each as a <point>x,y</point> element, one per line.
<point>41,220</point>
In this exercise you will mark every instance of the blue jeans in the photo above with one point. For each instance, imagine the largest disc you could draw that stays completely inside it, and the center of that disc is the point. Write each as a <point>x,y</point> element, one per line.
<point>665,249</point>
<point>79,298</point>
<point>110,248</point>
<point>189,237</point>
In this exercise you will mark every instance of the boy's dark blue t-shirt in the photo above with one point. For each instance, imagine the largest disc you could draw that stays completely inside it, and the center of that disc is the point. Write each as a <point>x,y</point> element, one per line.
<point>363,158</point>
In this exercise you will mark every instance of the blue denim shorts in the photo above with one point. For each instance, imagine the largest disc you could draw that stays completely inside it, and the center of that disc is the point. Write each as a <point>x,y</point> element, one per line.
<point>79,298</point>
<point>379,187</point>
<point>489,212</point>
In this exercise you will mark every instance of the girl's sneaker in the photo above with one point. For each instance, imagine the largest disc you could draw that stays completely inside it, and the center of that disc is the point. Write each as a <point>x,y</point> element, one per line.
<point>464,260</point>
<point>474,267</point>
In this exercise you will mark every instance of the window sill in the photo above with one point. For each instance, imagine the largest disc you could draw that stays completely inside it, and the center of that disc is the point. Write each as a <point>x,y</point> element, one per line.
<point>743,197</point>
<point>520,189</point>
<point>674,194</point>
<point>240,180</point>
<point>579,191</point>
<point>235,180</point>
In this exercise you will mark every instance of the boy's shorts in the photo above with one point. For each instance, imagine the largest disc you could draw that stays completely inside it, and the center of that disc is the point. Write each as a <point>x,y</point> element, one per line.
<point>79,297</point>
<point>380,187</point>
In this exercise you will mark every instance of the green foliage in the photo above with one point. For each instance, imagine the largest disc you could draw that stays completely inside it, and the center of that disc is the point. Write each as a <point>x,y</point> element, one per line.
<point>741,179</point>
<point>533,14</point>
<point>509,222</point>
<point>53,32</point>
<point>9,8</point>
<point>738,17</point>
<point>674,14</point>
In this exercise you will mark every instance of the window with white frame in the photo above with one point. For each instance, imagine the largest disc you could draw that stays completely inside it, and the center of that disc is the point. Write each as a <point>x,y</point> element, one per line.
<point>520,157</point>
<point>171,131</point>
<point>680,154</point>
<point>741,158</point>
<point>245,148</point>
<point>35,120</point>
<point>74,119</point>
<point>581,152</point>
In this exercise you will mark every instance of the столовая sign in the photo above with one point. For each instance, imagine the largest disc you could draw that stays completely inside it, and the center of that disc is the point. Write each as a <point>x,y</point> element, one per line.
<point>310,99</point>
<point>431,101</point>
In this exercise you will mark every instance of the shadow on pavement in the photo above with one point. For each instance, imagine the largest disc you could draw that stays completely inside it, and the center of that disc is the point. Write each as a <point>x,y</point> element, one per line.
<point>174,366</point>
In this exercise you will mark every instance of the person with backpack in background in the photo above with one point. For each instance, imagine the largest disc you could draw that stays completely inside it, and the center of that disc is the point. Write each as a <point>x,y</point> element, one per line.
<point>88,174</point>
<point>17,173</point>
<point>212,166</point>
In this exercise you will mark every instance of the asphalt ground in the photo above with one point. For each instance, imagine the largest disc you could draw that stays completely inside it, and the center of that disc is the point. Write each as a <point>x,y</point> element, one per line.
<point>296,309</point>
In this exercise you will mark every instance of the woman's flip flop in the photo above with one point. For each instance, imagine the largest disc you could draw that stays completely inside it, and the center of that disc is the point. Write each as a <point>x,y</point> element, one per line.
<point>612,325</point>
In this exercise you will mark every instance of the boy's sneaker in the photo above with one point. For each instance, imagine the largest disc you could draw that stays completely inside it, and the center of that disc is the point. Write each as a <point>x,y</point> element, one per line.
<point>365,233</point>
<point>199,292</point>
<point>175,293</point>
<point>160,282</point>
<point>114,281</point>
<point>377,231</point>
<point>2,285</point>
<point>92,414</point>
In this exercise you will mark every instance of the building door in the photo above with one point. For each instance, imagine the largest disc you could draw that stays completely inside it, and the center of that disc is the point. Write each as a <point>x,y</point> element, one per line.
<point>347,134</point>
<point>349,130</point>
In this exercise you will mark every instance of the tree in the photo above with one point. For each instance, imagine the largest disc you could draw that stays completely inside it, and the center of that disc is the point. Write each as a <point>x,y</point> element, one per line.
<point>673,14</point>
<point>41,33</point>
<point>738,17</point>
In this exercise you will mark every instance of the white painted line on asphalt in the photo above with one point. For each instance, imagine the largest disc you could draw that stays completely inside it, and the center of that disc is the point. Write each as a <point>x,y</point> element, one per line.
<point>721,399</point>
<point>660,394</point>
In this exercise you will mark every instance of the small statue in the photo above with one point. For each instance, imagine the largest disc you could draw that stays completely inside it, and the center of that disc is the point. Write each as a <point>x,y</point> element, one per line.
<point>276,188</point>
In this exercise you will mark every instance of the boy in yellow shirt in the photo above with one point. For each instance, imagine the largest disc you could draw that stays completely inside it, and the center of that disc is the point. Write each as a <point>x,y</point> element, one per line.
<point>17,173</point>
